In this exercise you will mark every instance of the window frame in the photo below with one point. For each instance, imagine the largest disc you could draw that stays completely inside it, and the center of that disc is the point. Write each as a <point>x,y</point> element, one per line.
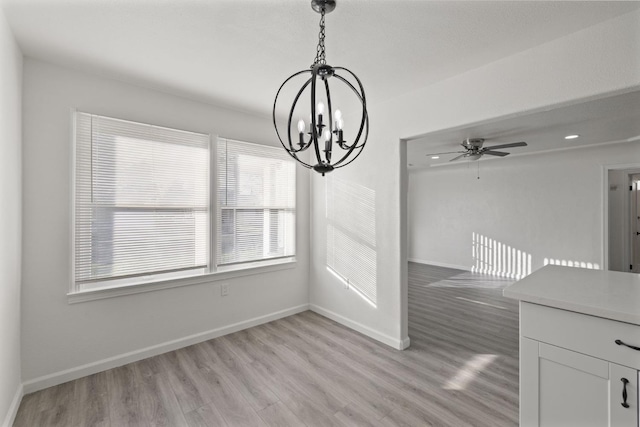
<point>148,283</point>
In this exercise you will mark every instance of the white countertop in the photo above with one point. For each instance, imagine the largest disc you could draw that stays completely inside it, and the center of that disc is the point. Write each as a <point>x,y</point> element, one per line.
<point>608,294</point>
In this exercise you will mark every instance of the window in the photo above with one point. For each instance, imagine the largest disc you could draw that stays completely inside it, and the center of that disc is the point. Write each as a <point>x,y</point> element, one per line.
<point>256,202</point>
<point>144,210</point>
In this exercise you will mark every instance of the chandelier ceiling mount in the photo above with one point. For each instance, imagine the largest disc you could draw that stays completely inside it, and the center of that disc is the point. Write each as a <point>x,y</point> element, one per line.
<point>326,5</point>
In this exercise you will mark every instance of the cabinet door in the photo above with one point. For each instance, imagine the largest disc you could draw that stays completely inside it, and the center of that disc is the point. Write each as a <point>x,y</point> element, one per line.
<point>574,388</point>
<point>562,388</point>
<point>623,415</point>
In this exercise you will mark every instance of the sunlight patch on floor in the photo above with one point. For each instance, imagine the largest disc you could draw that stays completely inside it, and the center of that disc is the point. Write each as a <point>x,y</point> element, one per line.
<point>470,371</point>
<point>481,303</point>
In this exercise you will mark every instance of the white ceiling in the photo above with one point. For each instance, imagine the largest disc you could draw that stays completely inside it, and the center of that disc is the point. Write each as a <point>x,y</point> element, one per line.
<point>607,120</point>
<point>237,52</point>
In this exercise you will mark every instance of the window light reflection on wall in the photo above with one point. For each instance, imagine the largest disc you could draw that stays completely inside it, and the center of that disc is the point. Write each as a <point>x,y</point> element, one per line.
<point>493,257</point>
<point>569,263</point>
<point>351,236</point>
<point>499,259</point>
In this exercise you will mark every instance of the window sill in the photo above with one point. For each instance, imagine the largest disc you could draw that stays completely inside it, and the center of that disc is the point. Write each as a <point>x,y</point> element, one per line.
<point>223,273</point>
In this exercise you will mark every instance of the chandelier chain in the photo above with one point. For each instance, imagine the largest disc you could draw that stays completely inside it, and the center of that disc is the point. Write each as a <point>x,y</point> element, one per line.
<point>320,51</point>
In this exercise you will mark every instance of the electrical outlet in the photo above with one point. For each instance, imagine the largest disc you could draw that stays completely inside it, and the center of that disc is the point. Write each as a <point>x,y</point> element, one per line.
<point>224,289</point>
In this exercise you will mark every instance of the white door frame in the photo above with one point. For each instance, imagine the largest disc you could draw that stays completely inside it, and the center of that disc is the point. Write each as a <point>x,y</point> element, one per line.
<point>634,214</point>
<point>634,168</point>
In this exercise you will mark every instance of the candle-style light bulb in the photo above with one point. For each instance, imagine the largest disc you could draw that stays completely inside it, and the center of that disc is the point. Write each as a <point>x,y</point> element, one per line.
<point>320,111</point>
<point>327,144</point>
<point>338,115</point>
<point>301,127</point>
<point>339,125</point>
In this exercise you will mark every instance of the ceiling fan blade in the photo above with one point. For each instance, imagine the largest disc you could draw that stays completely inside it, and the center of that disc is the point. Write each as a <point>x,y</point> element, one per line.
<point>513,144</point>
<point>448,152</point>
<point>458,157</point>
<point>496,153</point>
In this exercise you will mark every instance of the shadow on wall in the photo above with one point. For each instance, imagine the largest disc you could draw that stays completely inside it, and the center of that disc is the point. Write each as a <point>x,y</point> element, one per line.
<point>351,236</point>
<point>499,259</point>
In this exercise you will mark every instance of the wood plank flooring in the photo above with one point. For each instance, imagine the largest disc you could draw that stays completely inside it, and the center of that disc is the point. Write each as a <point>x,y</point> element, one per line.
<point>306,370</point>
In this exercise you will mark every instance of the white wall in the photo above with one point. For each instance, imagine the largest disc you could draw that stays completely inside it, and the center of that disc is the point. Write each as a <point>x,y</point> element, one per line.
<point>547,206</point>
<point>600,59</point>
<point>57,336</point>
<point>10,219</point>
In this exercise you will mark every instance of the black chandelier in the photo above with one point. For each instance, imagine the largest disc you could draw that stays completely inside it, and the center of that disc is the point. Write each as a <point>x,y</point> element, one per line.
<point>324,132</point>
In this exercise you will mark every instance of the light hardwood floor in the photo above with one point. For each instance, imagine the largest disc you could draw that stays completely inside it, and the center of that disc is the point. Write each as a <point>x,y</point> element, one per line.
<point>461,370</point>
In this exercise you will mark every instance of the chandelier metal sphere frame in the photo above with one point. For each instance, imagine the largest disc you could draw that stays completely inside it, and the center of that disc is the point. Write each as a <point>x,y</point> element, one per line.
<point>325,133</point>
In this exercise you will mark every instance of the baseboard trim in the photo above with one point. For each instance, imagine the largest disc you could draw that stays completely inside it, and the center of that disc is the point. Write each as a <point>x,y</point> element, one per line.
<point>440,264</point>
<point>398,344</point>
<point>13,408</point>
<point>133,356</point>
<point>406,342</point>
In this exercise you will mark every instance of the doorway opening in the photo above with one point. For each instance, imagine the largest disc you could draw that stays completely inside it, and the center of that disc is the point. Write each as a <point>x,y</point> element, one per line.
<point>622,223</point>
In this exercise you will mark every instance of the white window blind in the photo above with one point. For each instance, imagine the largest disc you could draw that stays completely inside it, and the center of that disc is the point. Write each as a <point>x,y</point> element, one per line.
<point>141,200</point>
<point>256,203</point>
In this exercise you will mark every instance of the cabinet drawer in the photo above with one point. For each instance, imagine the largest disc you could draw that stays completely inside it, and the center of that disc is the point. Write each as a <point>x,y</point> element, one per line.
<point>585,334</point>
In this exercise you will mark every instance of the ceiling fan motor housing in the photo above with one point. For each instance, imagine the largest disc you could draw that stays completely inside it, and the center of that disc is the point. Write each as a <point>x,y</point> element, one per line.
<point>473,143</point>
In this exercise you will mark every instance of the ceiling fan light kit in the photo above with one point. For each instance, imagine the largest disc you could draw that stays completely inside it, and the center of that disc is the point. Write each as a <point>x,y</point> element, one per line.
<point>325,131</point>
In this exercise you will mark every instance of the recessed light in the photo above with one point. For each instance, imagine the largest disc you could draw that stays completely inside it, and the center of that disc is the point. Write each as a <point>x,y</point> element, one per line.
<point>571,136</point>
<point>435,157</point>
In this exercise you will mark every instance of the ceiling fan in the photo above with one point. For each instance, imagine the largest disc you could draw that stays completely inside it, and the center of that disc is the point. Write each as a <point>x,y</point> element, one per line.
<point>473,149</point>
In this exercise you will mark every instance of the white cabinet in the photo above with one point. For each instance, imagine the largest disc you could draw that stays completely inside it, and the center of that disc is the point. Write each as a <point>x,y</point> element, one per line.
<point>572,372</point>
<point>564,388</point>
